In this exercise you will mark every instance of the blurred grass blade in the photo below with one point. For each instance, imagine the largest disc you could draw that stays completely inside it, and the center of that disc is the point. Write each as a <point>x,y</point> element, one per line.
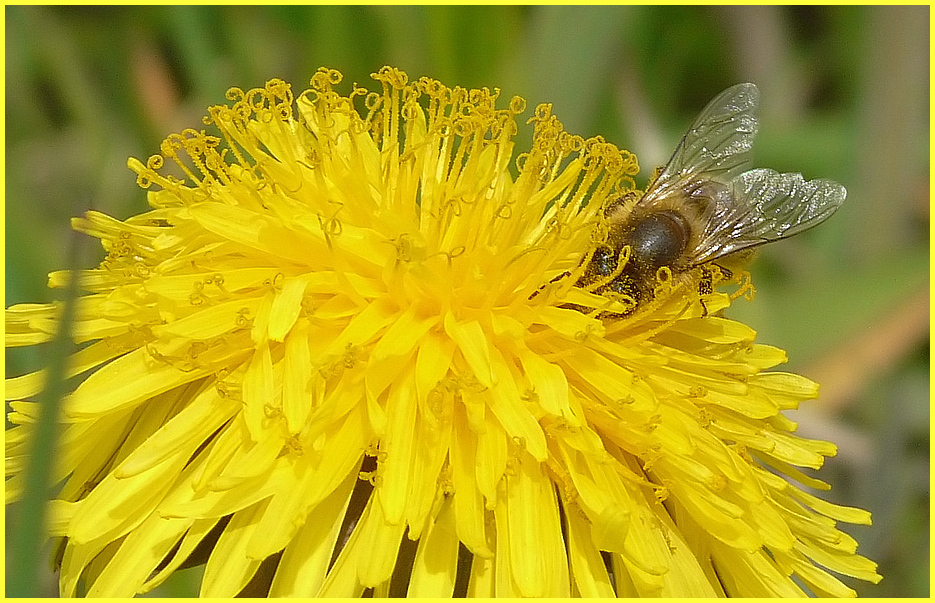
<point>29,535</point>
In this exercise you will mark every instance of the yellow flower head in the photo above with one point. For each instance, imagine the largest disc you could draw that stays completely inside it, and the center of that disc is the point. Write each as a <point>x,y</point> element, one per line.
<point>345,351</point>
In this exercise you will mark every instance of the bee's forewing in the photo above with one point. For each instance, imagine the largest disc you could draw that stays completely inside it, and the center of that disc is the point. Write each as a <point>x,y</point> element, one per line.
<point>717,144</point>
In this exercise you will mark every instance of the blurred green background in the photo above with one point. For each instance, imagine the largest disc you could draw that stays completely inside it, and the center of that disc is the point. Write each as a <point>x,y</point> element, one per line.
<point>844,95</point>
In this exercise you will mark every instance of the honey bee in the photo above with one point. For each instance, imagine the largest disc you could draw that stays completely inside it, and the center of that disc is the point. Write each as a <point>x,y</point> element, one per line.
<point>701,208</point>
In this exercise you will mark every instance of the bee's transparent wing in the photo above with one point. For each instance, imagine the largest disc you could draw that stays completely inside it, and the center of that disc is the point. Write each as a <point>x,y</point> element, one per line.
<point>717,144</point>
<point>739,210</point>
<point>763,205</point>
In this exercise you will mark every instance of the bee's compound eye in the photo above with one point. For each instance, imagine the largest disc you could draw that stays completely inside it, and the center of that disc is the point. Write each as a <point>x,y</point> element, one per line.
<point>658,239</point>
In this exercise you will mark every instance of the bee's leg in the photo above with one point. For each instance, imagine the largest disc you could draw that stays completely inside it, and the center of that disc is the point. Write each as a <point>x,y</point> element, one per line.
<point>565,274</point>
<point>560,276</point>
<point>726,273</point>
<point>705,287</point>
<point>706,284</point>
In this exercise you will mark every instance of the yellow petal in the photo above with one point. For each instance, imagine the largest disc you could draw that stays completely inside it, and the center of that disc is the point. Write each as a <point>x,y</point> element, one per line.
<point>365,325</point>
<point>259,392</point>
<point>472,342</point>
<point>436,562</point>
<point>753,573</point>
<point>570,323</point>
<point>842,563</point>
<point>30,384</point>
<point>371,550</point>
<point>482,584</point>
<point>403,334</point>
<point>491,457</point>
<point>286,307</point>
<point>179,288</point>
<point>715,330</point>
<point>398,445</point>
<point>548,381</point>
<point>839,512</point>
<point>259,232</point>
<point>117,506</point>
<point>125,382</point>
<point>229,569</point>
<point>197,532</point>
<point>139,554</point>
<point>301,571</point>
<point>433,363</point>
<point>468,501</point>
<point>588,572</point>
<point>306,486</point>
<point>212,321</point>
<point>508,406</point>
<point>182,434</point>
<point>297,397</point>
<point>536,550</point>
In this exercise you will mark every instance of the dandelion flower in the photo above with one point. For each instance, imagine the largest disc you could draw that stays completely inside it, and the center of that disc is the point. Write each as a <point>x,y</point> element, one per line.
<point>342,353</point>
